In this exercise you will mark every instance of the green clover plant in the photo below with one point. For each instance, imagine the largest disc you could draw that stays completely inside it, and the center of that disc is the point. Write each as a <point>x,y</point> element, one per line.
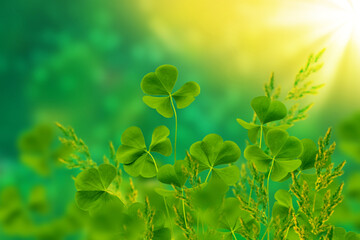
<point>136,157</point>
<point>282,160</point>
<point>212,151</point>
<point>161,84</point>
<point>92,187</point>
<point>267,111</point>
<point>208,195</point>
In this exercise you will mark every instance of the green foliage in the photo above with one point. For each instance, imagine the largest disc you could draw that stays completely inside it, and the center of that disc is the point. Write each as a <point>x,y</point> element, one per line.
<point>37,149</point>
<point>266,110</point>
<point>174,174</point>
<point>349,136</point>
<point>136,157</point>
<point>212,151</point>
<point>184,202</point>
<point>302,85</point>
<point>160,83</point>
<point>92,187</point>
<point>80,156</point>
<point>284,151</point>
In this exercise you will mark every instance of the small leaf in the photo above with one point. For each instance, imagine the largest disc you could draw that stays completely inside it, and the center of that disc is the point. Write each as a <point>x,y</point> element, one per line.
<point>229,175</point>
<point>161,104</point>
<point>267,110</point>
<point>279,210</point>
<point>308,155</point>
<point>173,174</point>
<point>133,152</point>
<point>143,166</point>
<point>230,216</point>
<point>275,140</point>
<point>283,146</point>
<point>186,94</point>
<point>282,168</point>
<point>92,186</point>
<point>255,154</point>
<point>167,175</point>
<point>284,198</point>
<point>162,234</point>
<point>246,125</point>
<point>160,142</point>
<point>253,129</point>
<point>213,151</point>
<point>284,151</point>
<point>161,83</point>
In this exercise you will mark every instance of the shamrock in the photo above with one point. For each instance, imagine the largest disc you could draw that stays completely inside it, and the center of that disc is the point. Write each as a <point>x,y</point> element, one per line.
<point>212,151</point>
<point>236,220</point>
<point>92,187</point>
<point>282,205</point>
<point>266,110</point>
<point>284,151</point>
<point>136,157</point>
<point>174,174</point>
<point>161,83</point>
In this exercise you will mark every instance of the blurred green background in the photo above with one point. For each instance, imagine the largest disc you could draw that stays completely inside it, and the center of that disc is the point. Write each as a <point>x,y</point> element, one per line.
<point>80,63</point>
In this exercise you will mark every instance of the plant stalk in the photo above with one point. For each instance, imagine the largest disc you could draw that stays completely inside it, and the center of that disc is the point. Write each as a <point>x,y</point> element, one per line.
<point>153,161</point>
<point>207,177</point>
<point>183,205</point>
<point>176,124</point>
<point>268,181</point>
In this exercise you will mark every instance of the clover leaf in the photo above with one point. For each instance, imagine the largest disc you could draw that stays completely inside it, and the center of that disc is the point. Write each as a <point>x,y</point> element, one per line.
<point>173,174</point>
<point>234,219</point>
<point>308,155</point>
<point>213,151</point>
<point>284,151</point>
<point>266,110</point>
<point>283,197</point>
<point>136,157</point>
<point>161,83</point>
<point>92,187</point>
<point>282,205</point>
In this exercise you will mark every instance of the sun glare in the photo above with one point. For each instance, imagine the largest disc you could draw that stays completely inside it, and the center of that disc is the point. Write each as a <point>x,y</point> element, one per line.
<point>355,7</point>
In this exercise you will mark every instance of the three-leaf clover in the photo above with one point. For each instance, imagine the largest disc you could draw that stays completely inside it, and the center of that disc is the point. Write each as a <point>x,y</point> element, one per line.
<point>161,83</point>
<point>92,187</point>
<point>234,219</point>
<point>212,151</point>
<point>174,174</point>
<point>135,155</point>
<point>284,151</point>
<point>266,110</point>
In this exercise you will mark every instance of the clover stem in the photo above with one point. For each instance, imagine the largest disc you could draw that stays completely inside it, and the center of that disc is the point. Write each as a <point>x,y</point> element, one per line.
<point>173,106</point>
<point>268,181</point>
<point>183,205</point>
<point>208,174</point>
<point>261,131</point>
<point>232,232</point>
<point>153,161</point>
